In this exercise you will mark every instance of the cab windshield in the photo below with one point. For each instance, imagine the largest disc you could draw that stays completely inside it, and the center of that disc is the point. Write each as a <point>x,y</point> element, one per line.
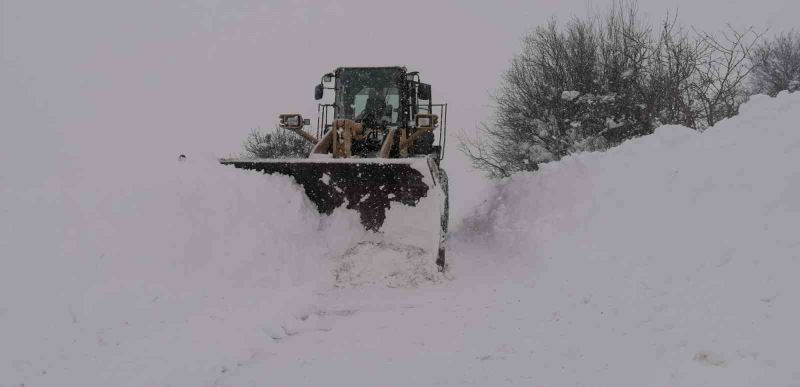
<point>369,95</point>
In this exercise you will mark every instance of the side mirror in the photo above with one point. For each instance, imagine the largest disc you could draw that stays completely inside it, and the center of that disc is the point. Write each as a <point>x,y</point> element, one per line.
<point>424,91</point>
<point>318,91</point>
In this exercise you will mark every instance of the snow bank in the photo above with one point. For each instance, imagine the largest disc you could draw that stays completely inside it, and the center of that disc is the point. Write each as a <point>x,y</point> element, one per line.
<point>669,260</point>
<point>140,272</point>
<point>120,269</point>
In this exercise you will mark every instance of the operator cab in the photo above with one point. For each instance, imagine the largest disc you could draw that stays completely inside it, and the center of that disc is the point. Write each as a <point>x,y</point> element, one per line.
<point>380,98</point>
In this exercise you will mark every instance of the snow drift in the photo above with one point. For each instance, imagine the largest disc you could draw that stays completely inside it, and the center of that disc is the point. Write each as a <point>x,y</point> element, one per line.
<point>669,260</point>
<point>126,270</point>
<point>142,271</point>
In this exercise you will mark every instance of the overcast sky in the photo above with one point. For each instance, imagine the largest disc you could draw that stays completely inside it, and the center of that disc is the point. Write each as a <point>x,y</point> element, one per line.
<point>167,77</point>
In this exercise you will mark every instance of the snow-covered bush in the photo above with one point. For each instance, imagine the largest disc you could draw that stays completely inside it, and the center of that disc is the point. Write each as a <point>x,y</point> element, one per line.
<point>598,81</point>
<point>777,64</point>
<point>279,144</point>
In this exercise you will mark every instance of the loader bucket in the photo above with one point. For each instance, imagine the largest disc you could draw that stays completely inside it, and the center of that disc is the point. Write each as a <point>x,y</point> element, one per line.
<point>369,186</point>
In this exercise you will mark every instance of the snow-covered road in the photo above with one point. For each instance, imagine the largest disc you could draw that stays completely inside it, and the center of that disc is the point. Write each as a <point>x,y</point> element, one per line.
<point>670,260</point>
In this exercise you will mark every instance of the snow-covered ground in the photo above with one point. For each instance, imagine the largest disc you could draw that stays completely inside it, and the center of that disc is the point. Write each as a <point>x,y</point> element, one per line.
<point>671,260</point>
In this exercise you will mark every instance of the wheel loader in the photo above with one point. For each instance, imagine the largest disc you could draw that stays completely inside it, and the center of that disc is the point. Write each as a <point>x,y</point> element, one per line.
<point>377,150</point>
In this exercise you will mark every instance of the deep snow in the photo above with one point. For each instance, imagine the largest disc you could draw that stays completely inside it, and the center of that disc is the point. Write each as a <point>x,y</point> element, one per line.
<point>670,260</point>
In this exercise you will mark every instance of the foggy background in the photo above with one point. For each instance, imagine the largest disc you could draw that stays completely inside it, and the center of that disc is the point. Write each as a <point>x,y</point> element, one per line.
<point>107,80</point>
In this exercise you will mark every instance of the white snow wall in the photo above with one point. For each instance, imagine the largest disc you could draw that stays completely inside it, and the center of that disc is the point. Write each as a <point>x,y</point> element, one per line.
<point>669,260</point>
<point>139,271</point>
<point>672,259</point>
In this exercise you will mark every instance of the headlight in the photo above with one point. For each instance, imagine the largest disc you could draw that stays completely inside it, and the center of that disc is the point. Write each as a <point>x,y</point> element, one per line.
<point>292,121</point>
<point>427,121</point>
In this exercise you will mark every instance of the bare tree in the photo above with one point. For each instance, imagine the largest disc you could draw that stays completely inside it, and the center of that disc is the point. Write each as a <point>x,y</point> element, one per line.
<point>571,88</point>
<point>669,74</point>
<point>776,64</point>
<point>724,66</point>
<point>595,82</point>
<point>279,144</point>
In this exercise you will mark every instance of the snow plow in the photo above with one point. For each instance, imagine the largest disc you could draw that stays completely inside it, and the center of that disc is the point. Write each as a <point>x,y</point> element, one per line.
<point>377,150</point>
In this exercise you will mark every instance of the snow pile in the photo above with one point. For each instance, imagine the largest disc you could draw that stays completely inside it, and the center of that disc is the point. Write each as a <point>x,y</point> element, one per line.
<point>569,95</point>
<point>127,270</point>
<point>390,264</point>
<point>150,272</point>
<point>669,260</point>
<point>403,254</point>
